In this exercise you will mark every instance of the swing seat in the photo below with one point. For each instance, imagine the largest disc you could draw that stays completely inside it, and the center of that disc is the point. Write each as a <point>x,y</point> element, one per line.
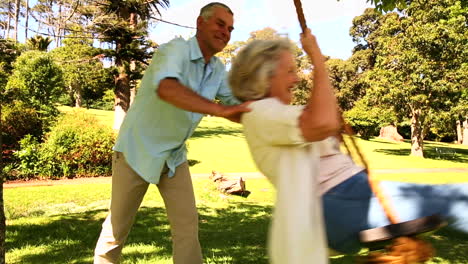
<point>378,237</point>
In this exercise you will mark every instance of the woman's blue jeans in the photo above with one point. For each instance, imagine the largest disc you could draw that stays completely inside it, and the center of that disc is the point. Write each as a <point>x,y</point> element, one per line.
<point>350,207</point>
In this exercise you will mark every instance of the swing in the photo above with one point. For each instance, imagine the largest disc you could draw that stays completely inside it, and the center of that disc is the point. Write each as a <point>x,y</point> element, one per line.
<point>398,242</point>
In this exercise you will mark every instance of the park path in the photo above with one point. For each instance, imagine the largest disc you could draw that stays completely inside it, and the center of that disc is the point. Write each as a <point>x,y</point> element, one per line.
<point>245,175</point>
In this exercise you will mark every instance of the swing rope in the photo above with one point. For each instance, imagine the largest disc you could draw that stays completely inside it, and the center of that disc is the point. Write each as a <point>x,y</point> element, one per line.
<point>374,184</point>
<point>403,250</point>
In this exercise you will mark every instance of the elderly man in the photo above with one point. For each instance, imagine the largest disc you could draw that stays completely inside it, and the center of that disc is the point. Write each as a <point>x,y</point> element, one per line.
<point>177,89</point>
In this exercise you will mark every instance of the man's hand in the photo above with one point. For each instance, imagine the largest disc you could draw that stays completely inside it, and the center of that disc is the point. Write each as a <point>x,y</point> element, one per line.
<point>233,112</point>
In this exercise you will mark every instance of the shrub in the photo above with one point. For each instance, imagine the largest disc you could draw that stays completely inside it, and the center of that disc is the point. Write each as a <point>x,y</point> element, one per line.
<point>19,120</point>
<point>36,80</point>
<point>367,121</point>
<point>27,159</point>
<point>76,146</point>
<point>105,103</point>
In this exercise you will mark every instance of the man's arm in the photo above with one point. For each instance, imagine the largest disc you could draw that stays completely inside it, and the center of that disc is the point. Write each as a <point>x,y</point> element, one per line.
<point>173,92</point>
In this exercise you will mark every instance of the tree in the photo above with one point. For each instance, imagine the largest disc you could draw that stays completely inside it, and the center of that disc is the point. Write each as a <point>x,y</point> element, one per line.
<point>419,53</point>
<point>230,51</point>
<point>460,113</point>
<point>6,7</point>
<point>345,79</point>
<point>37,81</point>
<point>83,73</point>
<point>56,15</point>
<point>26,19</point>
<point>39,43</point>
<point>124,25</point>
<point>8,54</point>
<point>389,5</point>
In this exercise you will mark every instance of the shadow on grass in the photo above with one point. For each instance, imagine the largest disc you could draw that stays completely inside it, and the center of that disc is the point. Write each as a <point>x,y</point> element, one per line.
<point>432,151</point>
<point>381,141</point>
<point>450,245</point>
<point>202,132</point>
<point>236,234</point>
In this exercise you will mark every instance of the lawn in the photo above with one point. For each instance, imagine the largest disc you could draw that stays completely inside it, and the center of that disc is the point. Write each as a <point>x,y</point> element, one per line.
<point>218,144</point>
<point>60,224</point>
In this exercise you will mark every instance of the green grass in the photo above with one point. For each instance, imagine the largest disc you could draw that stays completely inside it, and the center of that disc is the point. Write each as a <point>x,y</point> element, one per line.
<point>64,229</point>
<point>60,224</point>
<point>382,154</point>
<point>218,144</point>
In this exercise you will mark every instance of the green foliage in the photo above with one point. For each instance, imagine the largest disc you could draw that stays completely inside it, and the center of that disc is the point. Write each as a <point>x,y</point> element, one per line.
<point>413,62</point>
<point>85,77</point>
<point>28,159</point>
<point>39,43</point>
<point>389,5</point>
<point>106,102</point>
<point>367,121</point>
<point>346,81</point>
<point>301,93</point>
<point>124,25</point>
<point>36,80</point>
<point>75,146</point>
<point>9,51</point>
<point>19,120</point>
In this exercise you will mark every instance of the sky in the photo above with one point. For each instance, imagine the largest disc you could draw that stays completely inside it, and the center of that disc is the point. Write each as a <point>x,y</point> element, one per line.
<point>329,20</point>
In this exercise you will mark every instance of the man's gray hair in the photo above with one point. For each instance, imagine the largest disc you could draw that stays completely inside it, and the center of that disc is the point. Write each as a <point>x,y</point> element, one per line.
<point>253,66</point>
<point>207,11</point>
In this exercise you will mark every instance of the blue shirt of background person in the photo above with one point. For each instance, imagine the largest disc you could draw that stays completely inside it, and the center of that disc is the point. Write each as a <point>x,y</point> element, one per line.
<point>154,132</point>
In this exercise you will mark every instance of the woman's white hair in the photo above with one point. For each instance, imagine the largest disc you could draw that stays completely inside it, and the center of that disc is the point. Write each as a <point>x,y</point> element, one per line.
<point>253,66</point>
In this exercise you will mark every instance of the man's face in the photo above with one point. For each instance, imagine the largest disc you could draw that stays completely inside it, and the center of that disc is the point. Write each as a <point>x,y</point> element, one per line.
<point>214,33</point>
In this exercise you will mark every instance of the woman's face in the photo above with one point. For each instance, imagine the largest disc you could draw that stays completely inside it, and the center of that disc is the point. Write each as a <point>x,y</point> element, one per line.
<point>284,78</point>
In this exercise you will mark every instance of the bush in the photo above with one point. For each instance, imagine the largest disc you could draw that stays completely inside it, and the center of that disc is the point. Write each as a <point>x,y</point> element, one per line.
<point>105,103</point>
<point>36,80</point>
<point>367,121</point>
<point>76,146</point>
<point>19,120</point>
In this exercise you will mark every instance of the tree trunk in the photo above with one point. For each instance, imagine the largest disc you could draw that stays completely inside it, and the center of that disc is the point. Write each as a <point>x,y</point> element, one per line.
<point>71,95</point>
<point>26,22</point>
<point>17,12</point>
<point>459,132</point>
<point>465,132</point>
<point>417,134</point>
<point>2,209</point>
<point>7,36</point>
<point>122,95</point>
<point>57,27</point>
<point>78,95</point>
<point>122,81</point>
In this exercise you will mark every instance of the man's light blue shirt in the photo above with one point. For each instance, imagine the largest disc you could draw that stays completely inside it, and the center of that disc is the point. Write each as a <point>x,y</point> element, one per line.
<point>154,132</point>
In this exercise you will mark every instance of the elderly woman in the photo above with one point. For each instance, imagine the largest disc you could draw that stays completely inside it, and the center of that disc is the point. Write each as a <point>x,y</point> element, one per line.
<point>281,139</point>
<point>290,143</point>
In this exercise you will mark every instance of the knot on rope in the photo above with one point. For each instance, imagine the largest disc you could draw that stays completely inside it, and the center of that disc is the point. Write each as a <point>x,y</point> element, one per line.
<point>403,250</point>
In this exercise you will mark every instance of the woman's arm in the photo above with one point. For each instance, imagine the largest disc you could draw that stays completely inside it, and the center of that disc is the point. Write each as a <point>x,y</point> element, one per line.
<point>320,118</point>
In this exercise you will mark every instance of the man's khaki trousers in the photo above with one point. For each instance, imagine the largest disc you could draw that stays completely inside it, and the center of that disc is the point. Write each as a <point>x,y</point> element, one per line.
<point>128,190</point>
